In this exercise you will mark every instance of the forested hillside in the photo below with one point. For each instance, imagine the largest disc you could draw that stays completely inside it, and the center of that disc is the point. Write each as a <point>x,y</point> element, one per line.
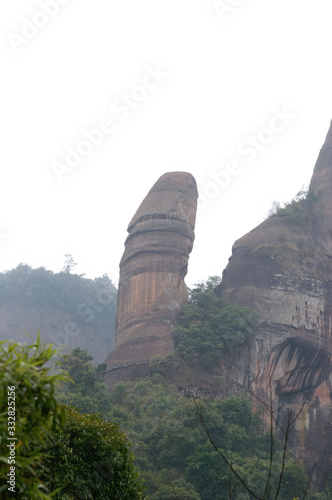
<point>68,309</point>
<point>189,443</point>
<point>173,451</point>
<point>192,448</point>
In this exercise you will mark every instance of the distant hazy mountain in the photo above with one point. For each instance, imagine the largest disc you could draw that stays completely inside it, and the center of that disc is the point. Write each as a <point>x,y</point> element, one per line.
<point>68,309</point>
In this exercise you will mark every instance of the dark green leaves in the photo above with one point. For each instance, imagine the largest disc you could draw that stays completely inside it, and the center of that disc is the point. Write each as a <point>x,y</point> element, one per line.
<point>209,328</point>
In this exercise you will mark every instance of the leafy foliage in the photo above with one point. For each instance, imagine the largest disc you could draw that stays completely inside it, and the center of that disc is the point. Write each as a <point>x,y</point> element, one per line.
<point>171,448</point>
<point>59,452</point>
<point>85,391</point>
<point>69,263</point>
<point>36,411</point>
<point>89,458</point>
<point>63,290</point>
<point>209,328</point>
<point>296,211</point>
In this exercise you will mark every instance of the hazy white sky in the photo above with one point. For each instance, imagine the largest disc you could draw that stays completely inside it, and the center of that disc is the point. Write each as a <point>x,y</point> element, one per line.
<point>99,98</point>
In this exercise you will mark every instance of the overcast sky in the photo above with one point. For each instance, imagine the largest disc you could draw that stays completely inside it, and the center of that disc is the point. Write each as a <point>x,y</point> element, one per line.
<point>99,98</point>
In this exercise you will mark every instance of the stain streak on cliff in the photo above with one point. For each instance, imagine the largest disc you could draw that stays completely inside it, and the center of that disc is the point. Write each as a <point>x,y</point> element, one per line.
<point>152,270</point>
<point>282,268</point>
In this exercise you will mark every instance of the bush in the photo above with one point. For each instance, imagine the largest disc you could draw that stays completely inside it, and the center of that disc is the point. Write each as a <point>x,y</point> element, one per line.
<point>296,211</point>
<point>89,458</point>
<point>59,452</point>
<point>208,327</point>
<point>24,374</point>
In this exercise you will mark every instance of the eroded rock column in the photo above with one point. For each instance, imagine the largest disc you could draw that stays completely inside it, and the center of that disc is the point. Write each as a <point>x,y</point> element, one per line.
<point>152,270</point>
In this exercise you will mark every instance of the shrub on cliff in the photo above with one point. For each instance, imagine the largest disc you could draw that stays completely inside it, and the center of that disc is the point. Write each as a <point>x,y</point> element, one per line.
<point>299,211</point>
<point>209,328</point>
<point>175,455</point>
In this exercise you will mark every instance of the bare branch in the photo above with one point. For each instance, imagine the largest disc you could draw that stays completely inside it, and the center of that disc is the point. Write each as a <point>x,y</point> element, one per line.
<point>283,463</point>
<point>271,441</point>
<point>292,416</point>
<point>200,415</point>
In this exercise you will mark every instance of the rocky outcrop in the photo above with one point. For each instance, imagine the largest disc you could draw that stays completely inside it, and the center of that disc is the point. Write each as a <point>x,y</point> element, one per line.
<point>152,270</point>
<point>283,269</point>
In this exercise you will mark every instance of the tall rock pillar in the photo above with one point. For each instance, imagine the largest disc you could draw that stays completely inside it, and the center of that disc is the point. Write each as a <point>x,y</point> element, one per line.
<point>152,270</point>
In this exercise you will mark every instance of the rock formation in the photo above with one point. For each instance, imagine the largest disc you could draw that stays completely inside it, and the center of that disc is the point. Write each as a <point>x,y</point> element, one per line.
<point>283,269</point>
<point>152,270</point>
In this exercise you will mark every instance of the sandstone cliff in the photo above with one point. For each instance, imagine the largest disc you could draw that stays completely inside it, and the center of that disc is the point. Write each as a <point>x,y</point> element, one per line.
<point>283,269</point>
<point>152,271</point>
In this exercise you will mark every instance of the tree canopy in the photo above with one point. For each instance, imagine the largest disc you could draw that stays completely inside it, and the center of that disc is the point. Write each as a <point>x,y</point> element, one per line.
<point>56,451</point>
<point>209,328</point>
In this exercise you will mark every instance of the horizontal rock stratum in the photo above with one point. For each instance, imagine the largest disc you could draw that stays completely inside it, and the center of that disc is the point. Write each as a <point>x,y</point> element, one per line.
<point>152,270</point>
<point>283,269</point>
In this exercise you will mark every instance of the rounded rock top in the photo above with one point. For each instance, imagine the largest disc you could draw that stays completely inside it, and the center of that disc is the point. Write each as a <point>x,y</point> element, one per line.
<point>173,196</point>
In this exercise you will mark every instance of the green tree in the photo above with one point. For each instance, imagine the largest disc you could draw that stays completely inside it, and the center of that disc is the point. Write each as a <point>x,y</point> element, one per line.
<point>300,210</point>
<point>81,371</point>
<point>294,481</point>
<point>84,299</point>
<point>69,263</point>
<point>58,452</point>
<point>85,391</point>
<point>27,399</point>
<point>89,458</point>
<point>209,328</point>
<point>208,475</point>
<point>264,476</point>
<point>174,454</point>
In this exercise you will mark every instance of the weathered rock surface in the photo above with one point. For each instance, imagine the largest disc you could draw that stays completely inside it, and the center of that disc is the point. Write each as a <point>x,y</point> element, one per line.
<point>283,269</point>
<point>152,270</point>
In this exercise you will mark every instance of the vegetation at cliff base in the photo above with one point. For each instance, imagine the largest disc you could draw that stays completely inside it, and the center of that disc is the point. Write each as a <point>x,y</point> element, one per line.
<point>84,390</point>
<point>28,411</point>
<point>81,455</point>
<point>89,458</point>
<point>172,450</point>
<point>147,438</point>
<point>209,328</point>
<point>56,451</point>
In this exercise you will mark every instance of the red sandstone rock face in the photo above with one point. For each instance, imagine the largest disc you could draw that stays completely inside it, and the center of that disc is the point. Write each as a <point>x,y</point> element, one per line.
<point>152,271</point>
<point>283,269</point>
